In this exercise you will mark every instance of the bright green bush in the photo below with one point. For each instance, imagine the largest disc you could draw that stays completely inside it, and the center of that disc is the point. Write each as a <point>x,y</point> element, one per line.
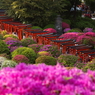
<point>79,65</point>
<point>27,41</point>
<point>20,58</point>
<point>42,53</point>
<point>3,47</point>
<point>3,32</point>
<point>77,29</point>
<point>49,26</point>
<point>73,30</point>
<point>90,66</point>
<point>36,27</point>
<point>1,37</point>
<point>68,60</point>
<point>28,52</point>
<point>8,63</point>
<point>49,60</point>
<point>10,35</point>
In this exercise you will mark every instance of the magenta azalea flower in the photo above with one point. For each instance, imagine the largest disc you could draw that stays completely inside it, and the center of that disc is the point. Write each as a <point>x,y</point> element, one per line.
<point>50,30</point>
<point>42,79</point>
<point>80,38</point>
<point>90,34</point>
<point>66,29</point>
<point>71,35</point>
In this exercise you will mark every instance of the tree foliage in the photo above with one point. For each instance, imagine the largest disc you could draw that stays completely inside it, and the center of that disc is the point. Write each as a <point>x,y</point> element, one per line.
<point>37,12</point>
<point>91,4</point>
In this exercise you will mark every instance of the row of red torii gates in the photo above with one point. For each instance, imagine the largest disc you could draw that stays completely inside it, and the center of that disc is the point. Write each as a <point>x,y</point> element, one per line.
<point>84,52</point>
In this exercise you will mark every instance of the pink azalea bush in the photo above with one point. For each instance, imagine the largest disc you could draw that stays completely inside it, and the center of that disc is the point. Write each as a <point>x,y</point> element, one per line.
<point>87,38</point>
<point>80,38</point>
<point>46,80</point>
<point>65,25</point>
<point>50,30</point>
<point>10,38</point>
<point>71,35</point>
<point>92,34</point>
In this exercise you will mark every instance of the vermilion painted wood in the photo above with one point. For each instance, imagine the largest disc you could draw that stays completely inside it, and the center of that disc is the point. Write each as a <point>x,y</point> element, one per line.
<point>84,55</point>
<point>59,42</point>
<point>64,46</point>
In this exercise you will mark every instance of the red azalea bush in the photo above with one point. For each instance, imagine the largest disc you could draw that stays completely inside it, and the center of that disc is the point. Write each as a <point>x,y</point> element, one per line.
<point>20,58</point>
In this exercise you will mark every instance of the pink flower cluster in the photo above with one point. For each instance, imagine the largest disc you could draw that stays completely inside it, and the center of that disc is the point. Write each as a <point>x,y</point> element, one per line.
<point>87,35</point>
<point>71,35</point>
<point>46,80</point>
<point>50,30</point>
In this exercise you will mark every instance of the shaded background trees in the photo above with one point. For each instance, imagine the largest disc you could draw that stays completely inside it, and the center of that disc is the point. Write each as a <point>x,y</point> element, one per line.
<point>37,12</point>
<point>44,12</point>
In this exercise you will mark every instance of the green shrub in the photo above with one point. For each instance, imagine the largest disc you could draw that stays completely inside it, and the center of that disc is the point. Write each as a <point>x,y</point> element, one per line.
<point>8,63</point>
<point>49,26</point>
<point>3,32</point>
<point>87,41</point>
<point>74,30</point>
<point>67,21</point>
<point>90,66</point>
<point>3,47</point>
<point>68,60</point>
<point>1,37</point>
<point>35,47</point>
<point>42,53</point>
<point>27,41</point>
<point>20,58</point>
<point>36,27</point>
<point>49,60</point>
<point>79,65</point>
<point>28,52</point>
<point>10,35</point>
<point>77,29</point>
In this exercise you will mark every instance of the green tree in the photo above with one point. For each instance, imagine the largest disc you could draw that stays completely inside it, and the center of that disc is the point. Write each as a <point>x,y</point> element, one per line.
<point>36,12</point>
<point>91,4</point>
<point>70,4</point>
